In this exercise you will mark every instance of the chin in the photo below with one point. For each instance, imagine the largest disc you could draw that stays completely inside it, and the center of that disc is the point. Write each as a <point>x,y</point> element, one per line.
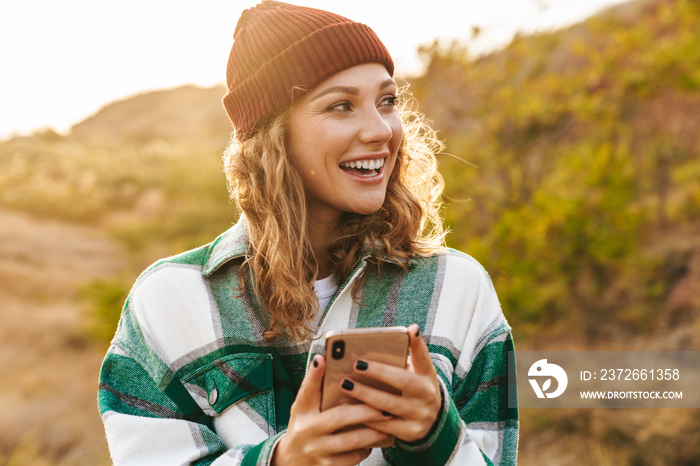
<point>364,203</point>
<point>367,210</point>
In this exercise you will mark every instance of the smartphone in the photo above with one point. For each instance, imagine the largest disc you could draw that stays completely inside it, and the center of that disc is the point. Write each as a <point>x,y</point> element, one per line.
<point>388,345</point>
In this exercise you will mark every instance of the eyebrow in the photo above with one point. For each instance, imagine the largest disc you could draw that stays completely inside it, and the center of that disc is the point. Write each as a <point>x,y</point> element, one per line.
<point>350,89</point>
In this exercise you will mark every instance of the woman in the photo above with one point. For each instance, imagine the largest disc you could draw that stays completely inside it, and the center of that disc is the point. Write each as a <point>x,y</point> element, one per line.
<point>218,355</point>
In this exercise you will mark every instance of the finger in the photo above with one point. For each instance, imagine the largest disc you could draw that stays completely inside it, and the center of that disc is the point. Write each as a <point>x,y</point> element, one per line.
<point>388,403</point>
<point>350,458</point>
<point>401,429</point>
<point>345,415</point>
<point>414,415</point>
<point>356,438</point>
<point>420,355</point>
<point>309,396</point>
<point>408,382</point>
<point>393,427</point>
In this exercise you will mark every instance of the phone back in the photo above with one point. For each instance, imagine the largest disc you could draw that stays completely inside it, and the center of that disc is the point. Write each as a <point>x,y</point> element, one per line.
<point>388,345</point>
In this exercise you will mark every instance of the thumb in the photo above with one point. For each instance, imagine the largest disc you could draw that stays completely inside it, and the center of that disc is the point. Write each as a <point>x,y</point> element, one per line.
<point>420,355</point>
<point>309,396</point>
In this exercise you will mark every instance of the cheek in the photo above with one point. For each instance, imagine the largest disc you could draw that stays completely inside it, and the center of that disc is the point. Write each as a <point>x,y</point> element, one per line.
<point>333,139</point>
<point>302,153</point>
<point>396,134</point>
<point>297,161</point>
<point>396,140</point>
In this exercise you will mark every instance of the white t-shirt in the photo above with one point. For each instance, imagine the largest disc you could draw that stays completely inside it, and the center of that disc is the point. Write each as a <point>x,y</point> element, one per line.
<point>325,289</point>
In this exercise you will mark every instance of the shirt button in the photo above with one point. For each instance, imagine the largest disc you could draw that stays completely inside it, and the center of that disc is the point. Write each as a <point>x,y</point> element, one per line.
<point>213,396</point>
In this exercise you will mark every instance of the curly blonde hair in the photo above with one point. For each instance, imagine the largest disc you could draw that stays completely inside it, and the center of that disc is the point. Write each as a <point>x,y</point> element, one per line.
<point>268,189</point>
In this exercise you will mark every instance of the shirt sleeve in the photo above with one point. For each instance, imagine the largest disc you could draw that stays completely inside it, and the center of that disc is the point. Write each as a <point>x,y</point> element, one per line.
<point>151,418</point>
<point>475,425</point>
<point>470,344</point>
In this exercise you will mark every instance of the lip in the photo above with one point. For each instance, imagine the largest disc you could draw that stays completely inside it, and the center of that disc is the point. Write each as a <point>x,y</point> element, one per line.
<point>368,180</point>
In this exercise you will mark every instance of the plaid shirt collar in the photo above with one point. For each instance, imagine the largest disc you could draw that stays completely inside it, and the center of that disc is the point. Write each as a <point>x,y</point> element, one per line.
<point>229,245</point>
<point>233,243</point>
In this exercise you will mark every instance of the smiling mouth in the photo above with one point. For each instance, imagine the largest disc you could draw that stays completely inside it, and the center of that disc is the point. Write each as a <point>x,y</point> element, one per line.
<point>365,168</point>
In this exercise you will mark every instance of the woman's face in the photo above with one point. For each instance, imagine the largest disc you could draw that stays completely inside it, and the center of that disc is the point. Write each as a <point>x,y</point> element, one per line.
<point>344,138</point>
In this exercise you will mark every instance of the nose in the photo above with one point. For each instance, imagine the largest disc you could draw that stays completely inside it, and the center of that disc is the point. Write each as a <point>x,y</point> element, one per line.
<point>374,128</point>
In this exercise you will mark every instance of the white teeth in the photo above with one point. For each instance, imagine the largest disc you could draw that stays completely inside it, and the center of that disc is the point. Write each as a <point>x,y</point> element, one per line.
<point>373,164</point>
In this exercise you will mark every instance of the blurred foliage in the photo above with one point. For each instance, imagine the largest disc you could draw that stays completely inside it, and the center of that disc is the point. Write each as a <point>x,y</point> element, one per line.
<point>26,452</point>
<point>106,298</point>
<point>618,437</point>
<point>32,450</point>
<point>582,148</point>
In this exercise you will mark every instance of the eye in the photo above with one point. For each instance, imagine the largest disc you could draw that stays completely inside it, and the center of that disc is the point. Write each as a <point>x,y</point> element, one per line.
<point>389,101</point>
<point>340,107</point>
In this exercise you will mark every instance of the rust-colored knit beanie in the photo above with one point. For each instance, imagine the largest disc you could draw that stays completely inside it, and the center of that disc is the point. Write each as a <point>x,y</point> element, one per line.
<point>278,47</point>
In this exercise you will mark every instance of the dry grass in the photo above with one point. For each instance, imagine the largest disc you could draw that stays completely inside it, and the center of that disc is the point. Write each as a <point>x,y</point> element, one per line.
<point>48,388</point>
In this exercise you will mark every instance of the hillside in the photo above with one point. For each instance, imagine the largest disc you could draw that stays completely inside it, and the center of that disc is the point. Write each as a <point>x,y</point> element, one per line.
<point>573,174</point>
<point>575,169</point>
<point>186,114</point>
<point>47,391</point>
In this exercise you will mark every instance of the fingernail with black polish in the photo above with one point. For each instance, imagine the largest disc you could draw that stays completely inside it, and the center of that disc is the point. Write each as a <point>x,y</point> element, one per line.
<point>361,366</point>
<point>347,385</point>
<point>315,363</point>
<point>417,332</point>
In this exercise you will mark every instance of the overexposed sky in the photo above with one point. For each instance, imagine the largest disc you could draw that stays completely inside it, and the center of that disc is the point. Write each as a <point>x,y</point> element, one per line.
<point>61,60</point>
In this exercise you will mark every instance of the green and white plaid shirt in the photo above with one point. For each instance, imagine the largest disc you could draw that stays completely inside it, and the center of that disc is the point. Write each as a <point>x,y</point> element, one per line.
<point>189,379</point>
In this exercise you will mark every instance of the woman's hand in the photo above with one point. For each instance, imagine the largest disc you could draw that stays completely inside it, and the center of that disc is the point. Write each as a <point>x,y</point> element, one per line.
<point>310,439</point>
<point>417,410</point>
